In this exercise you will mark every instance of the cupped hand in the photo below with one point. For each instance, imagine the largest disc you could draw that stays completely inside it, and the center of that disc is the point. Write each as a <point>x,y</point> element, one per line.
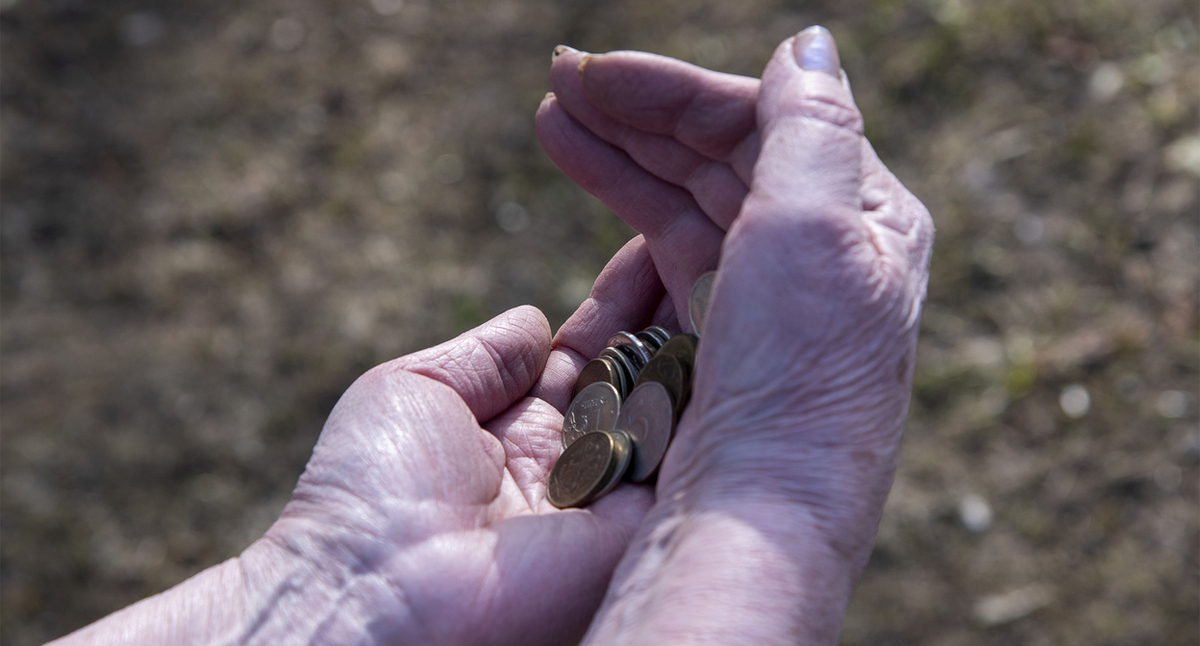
<point>422,518</point>
<point>768,499</point>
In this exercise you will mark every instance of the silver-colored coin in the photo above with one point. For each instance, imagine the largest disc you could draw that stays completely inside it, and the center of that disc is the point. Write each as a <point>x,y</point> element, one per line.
<point>698,300</point>
<point>653,343</point>
<point>660,332</point>
<point>629,371</point>
<point>648,417</point>
<point>636,359</point>
<point>639,349</point>
<point>595,408</point>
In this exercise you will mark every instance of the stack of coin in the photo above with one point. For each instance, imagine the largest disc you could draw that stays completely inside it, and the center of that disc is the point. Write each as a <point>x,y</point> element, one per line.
<point>624,408</point>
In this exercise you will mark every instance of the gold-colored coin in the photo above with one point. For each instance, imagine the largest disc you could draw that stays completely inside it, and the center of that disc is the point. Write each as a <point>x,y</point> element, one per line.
<point>683,348</point>
<point>666,369</point>
<point>601,369</point>
<point>589,468</point>
<point>622,458</point>
<point>595,408</point>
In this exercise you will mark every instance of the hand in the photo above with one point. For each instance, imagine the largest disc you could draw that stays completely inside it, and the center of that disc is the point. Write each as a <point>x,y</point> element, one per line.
<point>769,497</point>
<point>421,517</point>
<point>423,509</point>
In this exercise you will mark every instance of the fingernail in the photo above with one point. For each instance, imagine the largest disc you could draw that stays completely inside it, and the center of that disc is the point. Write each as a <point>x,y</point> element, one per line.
<point>549,95</point>
<point>816,51</point>
<point>560,50</point>
<point>583,63</point>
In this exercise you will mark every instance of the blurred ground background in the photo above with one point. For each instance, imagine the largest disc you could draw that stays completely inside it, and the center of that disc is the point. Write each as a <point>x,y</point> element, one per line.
<point>217,214</point>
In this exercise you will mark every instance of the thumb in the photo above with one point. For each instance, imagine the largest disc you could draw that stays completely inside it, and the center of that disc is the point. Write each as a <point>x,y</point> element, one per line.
<point>491,366</point>
<point>811,128</point>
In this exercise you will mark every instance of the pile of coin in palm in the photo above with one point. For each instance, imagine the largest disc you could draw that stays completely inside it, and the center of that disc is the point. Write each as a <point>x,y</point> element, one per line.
<point>626,404</point>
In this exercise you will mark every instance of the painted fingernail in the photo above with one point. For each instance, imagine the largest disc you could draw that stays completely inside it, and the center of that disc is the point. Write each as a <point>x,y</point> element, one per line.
<point>560,50</point>
<point>816,51</point>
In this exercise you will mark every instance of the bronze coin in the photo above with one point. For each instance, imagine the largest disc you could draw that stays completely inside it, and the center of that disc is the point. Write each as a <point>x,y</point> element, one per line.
<point>683,348</point>
<point>628,369</point>
<point>582,470</point>
<point>588,469</point>
<point>649,419</point>
<point>666,370</point>
<point>637,350</point>
<point>698,300</point>
<point>622,459</point>
<point>595,408</point>
<point>600,369</point>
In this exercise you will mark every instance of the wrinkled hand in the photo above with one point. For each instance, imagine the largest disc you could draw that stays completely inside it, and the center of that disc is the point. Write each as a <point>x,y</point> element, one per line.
<point>423,510</point>
<point>769,497</point>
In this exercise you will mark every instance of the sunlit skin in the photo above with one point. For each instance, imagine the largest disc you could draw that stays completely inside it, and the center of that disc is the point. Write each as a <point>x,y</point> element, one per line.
<point>421,517</point>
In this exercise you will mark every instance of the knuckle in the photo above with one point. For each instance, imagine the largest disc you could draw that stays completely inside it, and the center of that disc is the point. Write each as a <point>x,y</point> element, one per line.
<point>833,112</point>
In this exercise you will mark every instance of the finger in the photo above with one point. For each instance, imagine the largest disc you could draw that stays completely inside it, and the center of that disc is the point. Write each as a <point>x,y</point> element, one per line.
<point>710,112</point>
<point>490,366</point>
<point>811,130</point>
<point>901,220</point>
<point>713,183</point>
<point>625,294</point>
<point>683,241</point>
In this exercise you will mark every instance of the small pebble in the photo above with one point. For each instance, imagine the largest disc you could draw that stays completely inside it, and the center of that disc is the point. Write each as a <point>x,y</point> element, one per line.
<point>1075,401</point>
<point>975,513</point>
<point>1172,404</point>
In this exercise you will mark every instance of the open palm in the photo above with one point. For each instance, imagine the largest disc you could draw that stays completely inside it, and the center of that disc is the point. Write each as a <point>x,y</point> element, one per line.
<point>425,501</point>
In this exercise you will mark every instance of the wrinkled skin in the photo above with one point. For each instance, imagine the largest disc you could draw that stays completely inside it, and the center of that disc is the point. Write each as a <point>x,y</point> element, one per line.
<point>422,518</point>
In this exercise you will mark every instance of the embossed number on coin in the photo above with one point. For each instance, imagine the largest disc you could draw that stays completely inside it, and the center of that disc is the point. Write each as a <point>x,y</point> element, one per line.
<point>595,408</point>
<point>649,420</point>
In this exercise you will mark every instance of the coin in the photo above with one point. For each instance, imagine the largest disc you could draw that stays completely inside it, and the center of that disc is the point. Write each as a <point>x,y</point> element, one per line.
<point>628,370</point>
<point>698,300</point>
<point>649,419</point>
<point>636,359</point>
<point>660,332</point>
<point>622,459</point>
<point>666,369</point>
<point>600,369</point>
<point>637,348</point>
<point>653,343</point>
<point>588,469</point>
<point>595,408</point>
<point>683,348</point>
